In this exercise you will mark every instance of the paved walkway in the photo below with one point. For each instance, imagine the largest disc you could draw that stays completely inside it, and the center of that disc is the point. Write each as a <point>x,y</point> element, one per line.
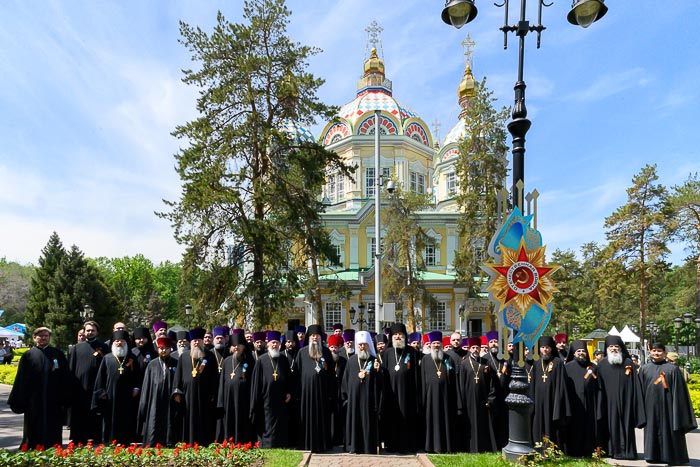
<point>337,458</point>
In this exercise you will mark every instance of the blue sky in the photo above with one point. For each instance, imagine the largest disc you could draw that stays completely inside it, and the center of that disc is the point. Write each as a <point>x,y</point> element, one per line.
<point>91,91</point>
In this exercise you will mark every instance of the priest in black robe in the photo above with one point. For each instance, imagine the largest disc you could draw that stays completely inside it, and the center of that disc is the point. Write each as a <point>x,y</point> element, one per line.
<point>41,392</point>
<point>582,431</point>
<point>317,392</point>
<point>403,389</point>
<point>348,349</point>
<point>500,378</point>
<point>668,410</point>
<point>117,386</point>
<point>259,346</point>
<point>195,391</point>
<point>270,395</point>
<point>439,397</point>
<point>337,415</point>
<point>84,361</point>
<point>290,346</point>
<point>220,347</point>
<point>362,397</point>
<point>234,396</point>
<point>620,400</point>
<point>476,396</point>
<point>548,386</point>
<point>155,420</point>
<point>144,351</point>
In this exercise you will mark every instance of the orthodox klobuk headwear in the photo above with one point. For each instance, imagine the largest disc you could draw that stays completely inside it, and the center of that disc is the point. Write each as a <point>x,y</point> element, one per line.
<point>123,335</point>
<point>577,345</point>
<point>315,329</point>
<point>547,341</point>
<point>364,337</point>
<point>197,333</point>
<point>140,333</point>
<point>337,326</point>
<point>237,339</point>
<point>616,340</point>
<point>398,327</point>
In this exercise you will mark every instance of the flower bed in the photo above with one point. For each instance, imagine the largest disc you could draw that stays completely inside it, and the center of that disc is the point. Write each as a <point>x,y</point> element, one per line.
<point>226,454</point>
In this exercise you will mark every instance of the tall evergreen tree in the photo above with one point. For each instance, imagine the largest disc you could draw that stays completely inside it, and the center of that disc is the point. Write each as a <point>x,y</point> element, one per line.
<point>51,256</point>
<point>231,167</point>
<point>637,235</point>
<point>567,306</point>
<point>481,170</point>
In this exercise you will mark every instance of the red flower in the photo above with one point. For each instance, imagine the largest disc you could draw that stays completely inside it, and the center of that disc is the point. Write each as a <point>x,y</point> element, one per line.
<point>40,447</point>
<point>118,449</point>
<point>24,447</point>
<point>257,444</point>
<point>159,446</point>
<point>225,443</point>
<point>98,450</point>
<point>114,442</point>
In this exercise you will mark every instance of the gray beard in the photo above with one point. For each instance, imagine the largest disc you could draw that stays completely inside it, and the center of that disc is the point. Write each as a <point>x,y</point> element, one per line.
<point>197,353</point>
<point>615,358</point>
<point>336,355</point>
<point>494,350</point>
<point>437,354</point>
<point>363,354</point>
<point>315,351</point>
<point>400,344</point>
<point>220,346</point>
<point>181,350</point>
<point>273,353</point>
<point>119,352</point>
<point>349,350</point>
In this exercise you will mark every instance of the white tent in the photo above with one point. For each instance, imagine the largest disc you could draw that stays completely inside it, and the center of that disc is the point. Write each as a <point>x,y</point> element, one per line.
<point>613,332</point>
<point>4,332</point>
<point>628,336</point>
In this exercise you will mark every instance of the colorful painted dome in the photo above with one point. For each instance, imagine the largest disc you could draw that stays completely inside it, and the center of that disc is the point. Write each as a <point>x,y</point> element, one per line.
<point>295,132</point>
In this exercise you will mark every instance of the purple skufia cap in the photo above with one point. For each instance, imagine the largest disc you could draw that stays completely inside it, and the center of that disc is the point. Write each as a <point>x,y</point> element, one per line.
<point>491,335</point>
<point>258,336</point>
<point>159,325</point>
<point>237,331</point>
<point>220,331</point>
<point>414,337</point>
<point>435,336</point>
<point>299,328</point>
<point>465,342</point>
<point>197,333</point>
<point>349,335</point>
<point>337,326</point>
<point>273,336</point>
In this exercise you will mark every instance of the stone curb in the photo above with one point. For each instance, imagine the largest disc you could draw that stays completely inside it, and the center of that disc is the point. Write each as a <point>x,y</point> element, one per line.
<point>424,461</point>
<point>305,459</point>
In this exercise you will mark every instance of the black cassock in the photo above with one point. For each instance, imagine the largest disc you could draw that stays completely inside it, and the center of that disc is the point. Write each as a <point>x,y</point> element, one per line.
<point>113,397</point>
<point>41,392</point>
<point>439,403</point>
<point>551,407</point>
<point>317,393</point>
<point>268,405</point>
<point>621,407</point>
<point>582,431</point>
<point>156,414</point>
<point>500,377</point>
<point>337,414</point>
<point>233,399</point>
<point>196,380</point>
<point>669,413</point>
<point>476,395</point>
<point>362,398</point>
<point>400,409</point>
<point>85,359</point>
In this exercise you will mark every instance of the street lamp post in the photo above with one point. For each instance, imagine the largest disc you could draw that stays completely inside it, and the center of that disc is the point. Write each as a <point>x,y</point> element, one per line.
<point>458,13</point>
<point>697,335</point>
<point>361,317</point>
<point>678,323</point>
<point>188,313</point>
<point>87,313</point>
<point>688,320</point>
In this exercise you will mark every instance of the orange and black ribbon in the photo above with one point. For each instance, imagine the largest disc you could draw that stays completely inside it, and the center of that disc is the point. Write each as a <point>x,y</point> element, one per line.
<point>589,372</point>
<point>662,379</point>
<point>628,370</point>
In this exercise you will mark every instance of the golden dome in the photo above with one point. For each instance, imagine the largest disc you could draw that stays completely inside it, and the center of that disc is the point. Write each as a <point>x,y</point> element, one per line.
<point>374,64</point>
<point>467,87</point>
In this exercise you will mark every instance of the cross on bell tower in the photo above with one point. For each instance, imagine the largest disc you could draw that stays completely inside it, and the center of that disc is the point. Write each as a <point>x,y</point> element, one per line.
<point>468,44</point>
<point>374,39</point>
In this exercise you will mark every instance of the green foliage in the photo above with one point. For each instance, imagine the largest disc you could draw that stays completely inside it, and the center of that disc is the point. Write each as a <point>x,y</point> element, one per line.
<point>51,256</point>
<point>281,457</point>
<point>15,283</point>
<point>8,373</point>
<point>694,389</point>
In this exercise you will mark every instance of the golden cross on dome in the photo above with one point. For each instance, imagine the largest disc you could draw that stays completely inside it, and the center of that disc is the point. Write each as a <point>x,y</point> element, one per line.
<point>373,39</point>
<point>468,45</point>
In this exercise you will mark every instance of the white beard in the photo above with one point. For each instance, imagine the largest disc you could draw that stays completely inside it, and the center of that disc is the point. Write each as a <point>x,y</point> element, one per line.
<point>197,353</point>
<point>315,351</point>
<point>363,354</point>
<point>400,344</point>
<point>119,352</point>
<point>335,355</point>
<point>615,358</point>
<point>437,354</point>
<point>273,353</point>
<point>426,350</point>
<point>349,350</point>
<point>181,350</point>
<point>219,346</point>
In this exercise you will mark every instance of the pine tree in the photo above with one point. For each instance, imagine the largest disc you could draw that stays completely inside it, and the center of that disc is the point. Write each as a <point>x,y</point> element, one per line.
<point>41,286</point>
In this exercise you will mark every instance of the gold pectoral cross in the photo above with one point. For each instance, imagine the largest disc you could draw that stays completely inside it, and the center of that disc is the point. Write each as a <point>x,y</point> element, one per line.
<point>274,375</point>
<point>544,377</point>
<point>233,373</point>
<point>476,378</point>
<point>439,373</point>
<point>194,373</point>
<point>121,370</point>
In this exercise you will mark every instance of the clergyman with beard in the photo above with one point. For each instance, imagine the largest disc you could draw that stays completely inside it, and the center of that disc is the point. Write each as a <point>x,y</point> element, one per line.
<point>220,345</point>
<point>402,378</point>
<point>235,381</point>
<point>156,416</point>
<point>270,395</point>
<point>621,391</point>
<point>500,377</point>
<point>195,391</point>
<point>183,343</point>
<point>117,387</point>
<point>348,343</point>
<point>316,391</point>
<point>259,345</point>
<point>583,389</point>
<point>439,397</point>
<point>335,343</point>
<point>548,386</point>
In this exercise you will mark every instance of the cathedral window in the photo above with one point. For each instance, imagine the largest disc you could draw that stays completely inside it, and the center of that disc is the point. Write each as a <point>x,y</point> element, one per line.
<point>417,183</point>
<point>332,314</point>
<point>452,183</point>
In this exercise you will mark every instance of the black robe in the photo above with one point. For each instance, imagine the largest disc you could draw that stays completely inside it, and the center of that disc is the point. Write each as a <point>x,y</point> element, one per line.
<point>669,414</point>
<point>233,399</point>
<point>197,412</point>
<point>439,404</point>
<point>582,431</point>
<point>293,405</point>
<point>317,393</point>
<point>268,405</point>
<point>621,407</point>
<point>403,390</point>
<point>84,361</point>
<point>155,420</point>
<point>500,377</point>
<point>113,398</point>
<point>337,414</point>
<point>362,399</point>
<point>41,393</point>
<point>475,399</point>
<point>551,407</point>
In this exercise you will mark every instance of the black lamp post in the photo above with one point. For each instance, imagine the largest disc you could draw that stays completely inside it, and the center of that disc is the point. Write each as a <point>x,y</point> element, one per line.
<point>87,313</point>
<point>688,320</point>
<point>678,323</point>
<point>458,13</point>
<point>576,330</point>
<point>361,316</point>
<point>188,313</point>
<point>697,335</point>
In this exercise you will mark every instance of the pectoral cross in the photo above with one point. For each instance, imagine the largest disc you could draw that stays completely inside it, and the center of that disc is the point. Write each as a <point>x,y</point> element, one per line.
<point>233,373</point>
<point>439,373</point>
<point>121,370</point>
<point>194,373</point>
<point>274,375</point>
<point>476,378</point>
<point>544,377</point>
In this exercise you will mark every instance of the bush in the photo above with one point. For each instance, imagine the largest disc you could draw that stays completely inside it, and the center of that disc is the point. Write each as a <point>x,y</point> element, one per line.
<point>7,374</point>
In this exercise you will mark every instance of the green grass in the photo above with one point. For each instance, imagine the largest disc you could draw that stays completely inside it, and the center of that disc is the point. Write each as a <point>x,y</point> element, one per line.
<point>493,460</point>
<point>281,457</point>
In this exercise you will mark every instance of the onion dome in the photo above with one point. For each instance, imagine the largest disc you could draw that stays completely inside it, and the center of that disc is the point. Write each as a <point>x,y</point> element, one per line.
<point>296,132</point>
<point>465,92</point>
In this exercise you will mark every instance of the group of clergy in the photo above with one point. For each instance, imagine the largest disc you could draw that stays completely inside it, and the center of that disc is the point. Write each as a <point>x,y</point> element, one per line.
<point>395,392</point>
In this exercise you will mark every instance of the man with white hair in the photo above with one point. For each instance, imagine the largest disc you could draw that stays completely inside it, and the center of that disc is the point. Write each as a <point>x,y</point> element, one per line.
<point>117,388</point>
<point>439,397</point>
<point>362,397</point>
<point>317,392</point>
<point>621,392</point>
